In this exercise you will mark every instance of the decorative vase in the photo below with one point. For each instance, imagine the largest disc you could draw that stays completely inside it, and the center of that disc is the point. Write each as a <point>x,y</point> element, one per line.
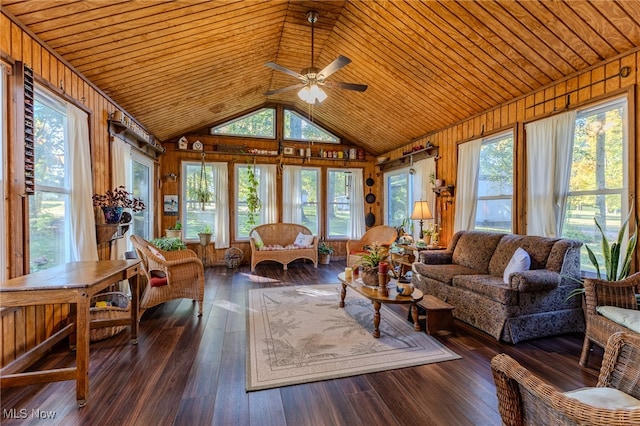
<point>112,214</point>
<point>205,238</point>
<point>370,276</point>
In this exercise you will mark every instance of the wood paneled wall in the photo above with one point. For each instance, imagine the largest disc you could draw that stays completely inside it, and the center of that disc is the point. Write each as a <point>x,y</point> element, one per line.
<point>593,85</point>
<point>22,329</point>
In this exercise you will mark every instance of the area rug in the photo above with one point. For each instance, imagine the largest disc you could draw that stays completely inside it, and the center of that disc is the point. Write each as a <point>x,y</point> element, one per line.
<point>299,334</point>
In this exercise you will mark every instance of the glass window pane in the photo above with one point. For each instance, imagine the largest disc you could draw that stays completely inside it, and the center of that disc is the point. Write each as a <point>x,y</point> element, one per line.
<point>199,204</point>
<point>398,199</point>
<point>299,128</point>
<point>310,206</point>
<point>338,205</point>
<point>493,215</point>
<point>244,222</point>
<point>48,239</point>
<point>49,144</point>
<point>142,190</point>
<point>260,124</point>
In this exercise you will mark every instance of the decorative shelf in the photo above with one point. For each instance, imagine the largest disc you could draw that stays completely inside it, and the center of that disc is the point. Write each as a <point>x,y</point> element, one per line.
<point>445,190</point>
<point>430,151</point>
<point>129,135</point>
<point>107,232</point>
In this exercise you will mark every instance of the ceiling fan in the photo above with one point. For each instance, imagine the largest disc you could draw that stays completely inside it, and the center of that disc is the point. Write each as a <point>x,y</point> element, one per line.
<point>312,78</point>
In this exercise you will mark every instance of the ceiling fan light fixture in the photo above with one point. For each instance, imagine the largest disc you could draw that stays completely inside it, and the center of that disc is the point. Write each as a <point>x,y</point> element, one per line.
<point>312,94</point>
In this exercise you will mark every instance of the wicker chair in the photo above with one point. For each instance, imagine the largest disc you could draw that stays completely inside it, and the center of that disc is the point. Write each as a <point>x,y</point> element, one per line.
<point>524,399</point>
<point>610,293</point>
<point>383,234</point>
<point>170,274</point>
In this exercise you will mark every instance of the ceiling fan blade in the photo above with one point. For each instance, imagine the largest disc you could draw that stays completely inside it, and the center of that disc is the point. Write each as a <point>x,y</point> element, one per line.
<point>348,86</point>
<point>334,66</point>
<point>284,70</point>
<point>284,89</point>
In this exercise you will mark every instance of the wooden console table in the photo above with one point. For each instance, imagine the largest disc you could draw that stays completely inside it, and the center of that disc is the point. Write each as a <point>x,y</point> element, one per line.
<point>74,283</point>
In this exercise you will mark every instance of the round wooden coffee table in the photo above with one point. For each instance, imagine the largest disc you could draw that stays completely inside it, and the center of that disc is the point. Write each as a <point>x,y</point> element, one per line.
<point>378,296</point>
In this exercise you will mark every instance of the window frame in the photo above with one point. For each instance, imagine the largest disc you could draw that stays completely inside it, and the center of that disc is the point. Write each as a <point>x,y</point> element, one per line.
<point>212,130</point>
<point>410,193</point>
<point>183,202</point>
<point>304,119</point>
<point>331,204</point>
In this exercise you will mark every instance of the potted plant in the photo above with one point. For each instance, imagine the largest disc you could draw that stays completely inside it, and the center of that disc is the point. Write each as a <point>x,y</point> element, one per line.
<point>253,201</point>
<point>114,202</point>
<point>175,231</point>
<point>324,253</point>
<point>168,244</point>
<point>617,264</point>
<point>370,263</point>
<point>205,235</point>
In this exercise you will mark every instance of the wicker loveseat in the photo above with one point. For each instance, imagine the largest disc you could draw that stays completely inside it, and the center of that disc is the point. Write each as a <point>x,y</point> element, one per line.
<point>275,242</point>
<point>470,276</point>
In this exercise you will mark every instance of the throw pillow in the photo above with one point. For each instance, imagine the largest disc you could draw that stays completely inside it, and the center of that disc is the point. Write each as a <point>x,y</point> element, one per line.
<point>256,239</point>
<point>157,278</point>
<point>609,398</point>
<point>630,318</point>
<point>155,252</point>
<point>303,240</point>
<point>520,261</point>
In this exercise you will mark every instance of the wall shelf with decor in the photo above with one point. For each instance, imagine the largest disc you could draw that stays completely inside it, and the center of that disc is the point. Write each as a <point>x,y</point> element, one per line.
<point>417,155</point>
<point>445,190</point>
<point>107,232</point>
<point>133,134</point>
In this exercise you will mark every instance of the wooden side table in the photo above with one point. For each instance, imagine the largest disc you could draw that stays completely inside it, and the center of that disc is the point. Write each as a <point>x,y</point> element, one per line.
<point>439,314</point>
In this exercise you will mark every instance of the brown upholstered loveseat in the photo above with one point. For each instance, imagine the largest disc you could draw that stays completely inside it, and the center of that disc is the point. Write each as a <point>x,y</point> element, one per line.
<point>278,244</point>
<point>469,276</point>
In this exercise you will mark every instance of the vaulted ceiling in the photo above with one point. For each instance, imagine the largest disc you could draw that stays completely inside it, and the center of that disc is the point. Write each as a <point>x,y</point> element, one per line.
<point>177,66</point>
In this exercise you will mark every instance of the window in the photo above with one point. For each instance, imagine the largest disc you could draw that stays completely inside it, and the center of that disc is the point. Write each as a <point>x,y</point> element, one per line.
<point>598,184</point>
<point>49,207</point>
<point>141,182</point>
<point>265,190</point>
<point>258,124</point>
<point>338,203</point>
<point>495,184</point>
<point>298,128</point>
<point>399,196</point>
<point>199,207</point>
<point>300,199</point>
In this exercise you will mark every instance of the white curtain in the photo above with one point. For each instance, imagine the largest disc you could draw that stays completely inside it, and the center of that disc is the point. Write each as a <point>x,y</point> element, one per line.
<point>292,194</point>
<point>120,171</point>
<point>549,149</point>
<point>267,193</point>
<point>357,225</point>
<point>221,185</point>
<point>83,227</point>
<point>422,190</point>
<point>467,185</point>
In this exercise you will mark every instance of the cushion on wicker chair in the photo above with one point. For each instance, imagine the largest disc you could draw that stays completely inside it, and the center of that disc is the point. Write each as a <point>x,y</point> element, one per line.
<point>630,318</point>
<point>303,240</point>
<point>158,278</point>
<point>609,398</point>
<point>155,251</point>
<point>257,240</point>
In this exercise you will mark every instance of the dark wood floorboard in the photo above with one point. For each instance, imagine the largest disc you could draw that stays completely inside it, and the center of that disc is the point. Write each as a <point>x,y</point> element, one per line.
<point>187,370</point>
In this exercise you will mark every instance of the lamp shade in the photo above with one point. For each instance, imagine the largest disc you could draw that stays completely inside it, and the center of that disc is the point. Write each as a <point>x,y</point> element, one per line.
<point>421,211</point>
<point>311,94</point>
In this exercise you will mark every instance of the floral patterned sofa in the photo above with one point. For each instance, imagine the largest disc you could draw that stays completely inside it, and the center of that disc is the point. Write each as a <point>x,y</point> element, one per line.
<point>511,307</point>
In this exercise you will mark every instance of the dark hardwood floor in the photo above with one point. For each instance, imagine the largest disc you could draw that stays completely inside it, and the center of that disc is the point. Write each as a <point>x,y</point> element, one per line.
<point>187,370</point>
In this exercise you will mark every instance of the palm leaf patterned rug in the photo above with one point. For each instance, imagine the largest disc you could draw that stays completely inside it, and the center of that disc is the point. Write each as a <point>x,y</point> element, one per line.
<point>299,334</point>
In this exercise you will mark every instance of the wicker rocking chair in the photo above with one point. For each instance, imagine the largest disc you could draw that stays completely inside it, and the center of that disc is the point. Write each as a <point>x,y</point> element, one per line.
<point>524,399</point>
<point>170,274</point>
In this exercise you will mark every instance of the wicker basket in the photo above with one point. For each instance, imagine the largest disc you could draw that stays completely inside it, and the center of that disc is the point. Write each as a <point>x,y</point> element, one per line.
<point>233,257</point>
<point>120,308</point>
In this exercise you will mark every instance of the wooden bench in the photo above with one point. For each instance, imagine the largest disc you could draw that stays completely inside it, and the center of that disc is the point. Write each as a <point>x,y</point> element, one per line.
<point>438,314</point>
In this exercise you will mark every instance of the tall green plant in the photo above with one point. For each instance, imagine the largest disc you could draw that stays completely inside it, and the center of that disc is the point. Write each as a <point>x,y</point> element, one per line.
<point>617,266</point>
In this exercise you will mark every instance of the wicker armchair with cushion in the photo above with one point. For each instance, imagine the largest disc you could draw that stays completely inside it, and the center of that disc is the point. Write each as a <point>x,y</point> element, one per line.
<point>383,234</point>
<point>170,274</point>
<point>608,305</point>
<point>524,399</point>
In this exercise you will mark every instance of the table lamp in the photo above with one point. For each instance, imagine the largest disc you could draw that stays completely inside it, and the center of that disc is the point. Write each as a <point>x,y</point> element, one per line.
<point>421,212</point>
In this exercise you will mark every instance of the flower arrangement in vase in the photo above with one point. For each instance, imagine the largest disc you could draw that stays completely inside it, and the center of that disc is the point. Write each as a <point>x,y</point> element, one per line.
<point>114,202</point>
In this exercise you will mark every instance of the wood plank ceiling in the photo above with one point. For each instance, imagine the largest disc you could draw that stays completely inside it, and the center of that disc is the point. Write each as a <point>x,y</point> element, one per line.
<point>178,66</point>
